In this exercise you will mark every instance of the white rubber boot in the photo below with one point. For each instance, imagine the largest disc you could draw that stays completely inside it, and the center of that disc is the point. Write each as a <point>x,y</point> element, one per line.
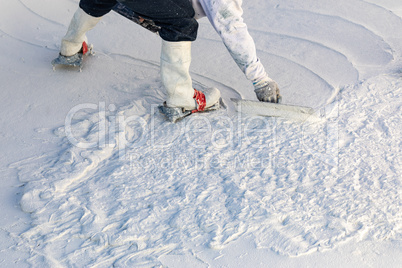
<point>75,36</point>
<point>175,74</point>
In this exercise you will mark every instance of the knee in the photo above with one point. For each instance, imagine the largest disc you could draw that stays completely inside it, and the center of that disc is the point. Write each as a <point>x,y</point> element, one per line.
<point>184,29</point>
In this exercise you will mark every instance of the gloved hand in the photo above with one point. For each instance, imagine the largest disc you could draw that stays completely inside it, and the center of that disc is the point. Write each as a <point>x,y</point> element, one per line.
<point>267,91</point>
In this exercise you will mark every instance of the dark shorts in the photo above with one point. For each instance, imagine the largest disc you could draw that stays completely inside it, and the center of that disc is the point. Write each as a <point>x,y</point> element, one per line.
<point>175,17</point>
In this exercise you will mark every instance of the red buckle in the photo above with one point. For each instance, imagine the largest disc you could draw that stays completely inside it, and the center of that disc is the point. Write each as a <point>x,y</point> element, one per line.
<point>201,101</point>
<point>84,48</point>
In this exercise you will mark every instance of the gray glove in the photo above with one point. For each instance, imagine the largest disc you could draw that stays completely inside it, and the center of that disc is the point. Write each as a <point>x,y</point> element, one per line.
<point>268,91</point>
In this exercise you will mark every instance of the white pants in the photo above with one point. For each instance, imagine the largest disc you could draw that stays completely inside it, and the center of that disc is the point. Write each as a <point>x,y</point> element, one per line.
<point>226,17</point>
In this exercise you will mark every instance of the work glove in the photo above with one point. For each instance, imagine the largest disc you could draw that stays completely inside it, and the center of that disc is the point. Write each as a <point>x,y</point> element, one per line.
<point>267,91</point>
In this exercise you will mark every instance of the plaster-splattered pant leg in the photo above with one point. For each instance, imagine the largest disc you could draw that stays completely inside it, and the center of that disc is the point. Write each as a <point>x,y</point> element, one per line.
<point>226,17</point>
<point>175,17</point>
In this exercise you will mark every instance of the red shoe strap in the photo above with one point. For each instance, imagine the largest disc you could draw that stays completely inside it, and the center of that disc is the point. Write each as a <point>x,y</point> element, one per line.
<point>84,48</point>
<point>201,101</point>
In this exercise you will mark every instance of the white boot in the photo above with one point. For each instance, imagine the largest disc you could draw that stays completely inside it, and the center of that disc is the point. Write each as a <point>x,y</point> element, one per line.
<point>75,36</point>
<point>175,73</point>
